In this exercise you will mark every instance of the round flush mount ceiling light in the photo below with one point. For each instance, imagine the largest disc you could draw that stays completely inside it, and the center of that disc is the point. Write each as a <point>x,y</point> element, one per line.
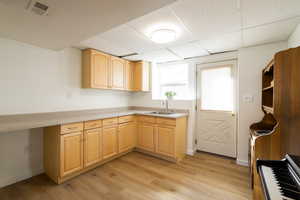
<point>163,36</point>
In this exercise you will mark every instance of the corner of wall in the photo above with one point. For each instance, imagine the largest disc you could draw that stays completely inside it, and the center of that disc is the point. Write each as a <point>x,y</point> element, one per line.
<point>190,152</point>
<point>242,162</point>
<point>294,39</point>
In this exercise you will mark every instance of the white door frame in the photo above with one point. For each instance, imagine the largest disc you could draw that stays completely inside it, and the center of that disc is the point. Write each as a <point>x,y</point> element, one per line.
<point>199,68</point>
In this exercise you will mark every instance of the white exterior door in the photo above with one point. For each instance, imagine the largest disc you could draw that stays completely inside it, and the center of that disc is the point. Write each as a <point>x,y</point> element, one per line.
<point>216,118</point>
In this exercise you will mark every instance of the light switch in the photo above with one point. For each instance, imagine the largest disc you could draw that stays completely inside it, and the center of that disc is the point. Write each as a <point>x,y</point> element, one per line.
<point>248,98</point>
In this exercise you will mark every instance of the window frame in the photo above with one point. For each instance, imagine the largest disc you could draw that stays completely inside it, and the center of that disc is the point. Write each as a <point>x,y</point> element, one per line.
<point>156,85</point>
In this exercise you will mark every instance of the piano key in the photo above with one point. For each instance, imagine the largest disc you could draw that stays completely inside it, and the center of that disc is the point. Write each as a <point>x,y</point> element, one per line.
<point>291,194</point>
<point>288,186</point>
<point>271,184</point>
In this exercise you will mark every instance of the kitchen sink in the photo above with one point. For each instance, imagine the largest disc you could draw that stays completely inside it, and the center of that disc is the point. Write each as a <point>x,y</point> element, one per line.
<point>162,113</point>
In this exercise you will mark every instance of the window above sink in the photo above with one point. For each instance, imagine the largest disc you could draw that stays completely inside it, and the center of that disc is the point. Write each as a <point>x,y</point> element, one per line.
<point>171,77</point>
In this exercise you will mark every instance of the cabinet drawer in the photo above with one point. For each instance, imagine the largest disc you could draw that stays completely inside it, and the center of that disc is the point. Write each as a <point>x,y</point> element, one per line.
<point>70,128</point>
<point>92,124</point>
<point>147,119</point>
<point>110,121</point>
<point>125,119</point>
<point>166,121</point>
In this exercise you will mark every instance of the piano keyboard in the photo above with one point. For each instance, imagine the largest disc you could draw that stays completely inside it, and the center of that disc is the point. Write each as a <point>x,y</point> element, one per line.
<point>279,183</point>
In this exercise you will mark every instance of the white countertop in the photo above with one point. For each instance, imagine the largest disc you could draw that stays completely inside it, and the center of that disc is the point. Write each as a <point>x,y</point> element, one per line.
<point>16,122</point>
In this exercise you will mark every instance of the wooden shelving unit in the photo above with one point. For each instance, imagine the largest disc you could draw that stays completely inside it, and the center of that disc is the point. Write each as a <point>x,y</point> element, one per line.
<point>268,88</point>
<point>260,144</point>
<point>280,101</point>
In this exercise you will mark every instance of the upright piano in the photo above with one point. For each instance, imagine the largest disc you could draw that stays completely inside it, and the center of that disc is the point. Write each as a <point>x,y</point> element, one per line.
<point>280,179</point>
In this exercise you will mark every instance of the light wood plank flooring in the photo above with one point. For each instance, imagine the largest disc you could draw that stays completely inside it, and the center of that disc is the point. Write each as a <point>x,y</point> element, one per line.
<point>138,176</point>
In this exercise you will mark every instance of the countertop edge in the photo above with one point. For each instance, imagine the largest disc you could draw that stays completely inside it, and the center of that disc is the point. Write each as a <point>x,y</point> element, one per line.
<point>17,125</point>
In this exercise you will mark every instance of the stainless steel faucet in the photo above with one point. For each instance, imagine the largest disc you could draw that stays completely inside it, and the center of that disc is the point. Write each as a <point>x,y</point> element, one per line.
<point>167,105</point>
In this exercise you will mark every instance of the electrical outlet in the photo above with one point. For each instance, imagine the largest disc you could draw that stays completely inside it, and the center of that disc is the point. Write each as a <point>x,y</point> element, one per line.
<point>248,98</point>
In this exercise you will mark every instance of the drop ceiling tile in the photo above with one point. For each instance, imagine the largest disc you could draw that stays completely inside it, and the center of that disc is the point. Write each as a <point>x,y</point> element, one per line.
<point>161,55</point>
<point>258,12</point>
<point>162,19</point>
<point>158,56</point>
<point>135,57</point>
<point>208,18</point>
<point>274,32</point>
<point>189,50</point>
<point>99,43</point>
<point>128,38</point>
<point>226,42</point>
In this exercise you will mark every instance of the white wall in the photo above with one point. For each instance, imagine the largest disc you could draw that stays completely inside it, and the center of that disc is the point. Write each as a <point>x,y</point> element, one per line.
<point>34,80</point>
<point>251,61</point>
<point>294,39</point>
<point>21,155</point>
<point>39,80</point>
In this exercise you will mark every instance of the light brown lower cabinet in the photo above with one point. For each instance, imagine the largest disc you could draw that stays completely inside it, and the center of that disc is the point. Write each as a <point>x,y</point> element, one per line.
<point>146,136</point>
<point>165,140</point>
<point>92,146</point>
<point>71,152</point>
<point>110,142</point>
<point>127,136</point>
<point>67,153</point>
<point>72,149</point>
<point>162,136</point>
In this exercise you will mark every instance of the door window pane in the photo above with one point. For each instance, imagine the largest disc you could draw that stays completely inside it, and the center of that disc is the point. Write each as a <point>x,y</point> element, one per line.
<point>217,89</point>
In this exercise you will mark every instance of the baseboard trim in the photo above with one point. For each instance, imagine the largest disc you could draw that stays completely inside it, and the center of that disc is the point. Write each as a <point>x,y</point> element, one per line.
<point>242,162</point>
<point>20,178</point>
<point>190,152</point>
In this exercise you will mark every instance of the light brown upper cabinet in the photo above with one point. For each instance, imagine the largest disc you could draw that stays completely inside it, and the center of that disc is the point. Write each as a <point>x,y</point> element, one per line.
<point>95,69</point>
<point>102,71</point>
<point>118,67</point>
<point>129,79</point>
<point>141,76</point>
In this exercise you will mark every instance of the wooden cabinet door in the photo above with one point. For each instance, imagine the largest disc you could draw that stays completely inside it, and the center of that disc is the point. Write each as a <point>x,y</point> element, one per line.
<point>109,138</point>
<point>118,66</point>
<point>71,153</point>
<point>146,137</point>
<point>127,136</point>
<point>92,146</point>
<point>129,78</point>
<point>134,136</point>
<point>141,76</point>
<point>100,70</point>
<point>165,141</point>
<point>138,77</point>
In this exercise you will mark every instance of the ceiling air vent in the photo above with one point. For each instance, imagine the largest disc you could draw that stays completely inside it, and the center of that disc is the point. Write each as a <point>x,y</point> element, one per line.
<point>38,8</point>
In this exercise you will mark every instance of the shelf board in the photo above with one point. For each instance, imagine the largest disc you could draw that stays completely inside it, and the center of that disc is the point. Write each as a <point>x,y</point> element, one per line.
<point>268,109</point>
<point>268,88</point>
<point>268,67</point>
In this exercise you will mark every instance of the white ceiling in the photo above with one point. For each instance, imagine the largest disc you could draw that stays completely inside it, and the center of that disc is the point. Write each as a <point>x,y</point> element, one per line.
<point>70,21</point>
<point>203,27</point>
<point>123,27</point>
